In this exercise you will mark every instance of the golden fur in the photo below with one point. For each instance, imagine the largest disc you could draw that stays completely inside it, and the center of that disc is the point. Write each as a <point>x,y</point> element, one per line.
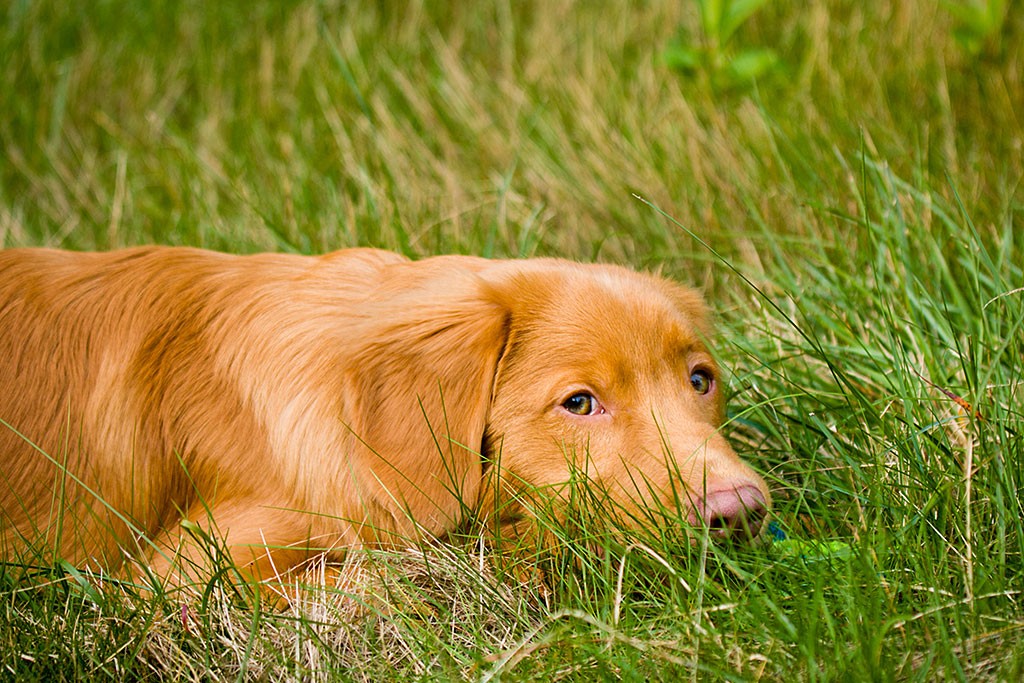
<point>321,403</point>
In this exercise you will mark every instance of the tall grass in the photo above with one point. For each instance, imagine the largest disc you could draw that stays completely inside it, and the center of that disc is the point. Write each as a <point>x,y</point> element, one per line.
<point>855,218</point>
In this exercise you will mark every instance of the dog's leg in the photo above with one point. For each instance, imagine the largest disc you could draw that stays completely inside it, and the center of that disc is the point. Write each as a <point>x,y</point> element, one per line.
<point>244,542</point>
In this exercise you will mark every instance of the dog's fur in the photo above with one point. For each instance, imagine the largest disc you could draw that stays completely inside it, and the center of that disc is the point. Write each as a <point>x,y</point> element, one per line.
<point>309,403</point>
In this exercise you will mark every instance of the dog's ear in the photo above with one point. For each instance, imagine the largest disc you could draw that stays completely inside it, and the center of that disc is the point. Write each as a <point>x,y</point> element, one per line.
<point>690,304</point>
<point>421,384</point>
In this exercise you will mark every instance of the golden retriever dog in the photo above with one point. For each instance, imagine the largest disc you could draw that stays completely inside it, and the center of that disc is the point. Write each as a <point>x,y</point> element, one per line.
<point>295,405</point>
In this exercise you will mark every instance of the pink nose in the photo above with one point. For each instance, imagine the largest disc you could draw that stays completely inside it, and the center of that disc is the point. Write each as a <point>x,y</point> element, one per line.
<point>734,512</point>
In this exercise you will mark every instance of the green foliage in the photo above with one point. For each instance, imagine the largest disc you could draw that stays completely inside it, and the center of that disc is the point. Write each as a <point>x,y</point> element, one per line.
<point>979,22</point>
<point>714,55</point>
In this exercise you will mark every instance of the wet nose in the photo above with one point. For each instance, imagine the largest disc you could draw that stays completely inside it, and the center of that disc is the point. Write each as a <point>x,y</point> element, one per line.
<point>735,512</point>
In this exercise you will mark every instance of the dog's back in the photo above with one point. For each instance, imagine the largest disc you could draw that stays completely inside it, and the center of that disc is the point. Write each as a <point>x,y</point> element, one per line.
<point>105,358</point>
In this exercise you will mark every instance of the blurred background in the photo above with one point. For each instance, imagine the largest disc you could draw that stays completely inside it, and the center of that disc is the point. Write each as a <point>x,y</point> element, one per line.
<point>507,128</point>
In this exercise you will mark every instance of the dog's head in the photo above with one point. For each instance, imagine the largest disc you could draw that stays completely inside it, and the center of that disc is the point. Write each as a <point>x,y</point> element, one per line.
<point>545,372</point>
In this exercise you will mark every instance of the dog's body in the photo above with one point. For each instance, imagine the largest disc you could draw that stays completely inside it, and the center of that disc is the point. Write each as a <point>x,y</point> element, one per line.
<point>308,403</point>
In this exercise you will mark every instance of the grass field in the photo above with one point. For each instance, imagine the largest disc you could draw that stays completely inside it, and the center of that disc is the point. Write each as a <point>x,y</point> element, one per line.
<point>856,216</point>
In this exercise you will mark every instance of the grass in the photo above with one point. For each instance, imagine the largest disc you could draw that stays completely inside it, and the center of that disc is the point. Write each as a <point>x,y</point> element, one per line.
<point>855,216</point>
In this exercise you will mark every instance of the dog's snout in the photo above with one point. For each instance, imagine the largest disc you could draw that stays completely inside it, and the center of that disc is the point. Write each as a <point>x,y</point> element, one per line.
<point>735,512</point>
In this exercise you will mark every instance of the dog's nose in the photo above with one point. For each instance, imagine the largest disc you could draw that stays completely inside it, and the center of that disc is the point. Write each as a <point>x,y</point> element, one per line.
<point>735,512</point>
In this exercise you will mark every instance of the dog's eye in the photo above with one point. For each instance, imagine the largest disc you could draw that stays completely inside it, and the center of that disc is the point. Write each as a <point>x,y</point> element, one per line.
<point>582,404</point>
<point>701,381</point>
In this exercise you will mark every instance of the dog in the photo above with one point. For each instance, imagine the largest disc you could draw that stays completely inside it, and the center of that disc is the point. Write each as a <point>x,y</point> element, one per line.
<point>296,405</point>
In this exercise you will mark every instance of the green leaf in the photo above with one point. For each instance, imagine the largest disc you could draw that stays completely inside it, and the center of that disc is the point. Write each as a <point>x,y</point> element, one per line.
<point>85,587</point>
<point>978,20</point>
<point>981,17</point>
<point>736,13</point>
<point>711,17</point>
<point>750,65</point>
<point>682,58</point>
